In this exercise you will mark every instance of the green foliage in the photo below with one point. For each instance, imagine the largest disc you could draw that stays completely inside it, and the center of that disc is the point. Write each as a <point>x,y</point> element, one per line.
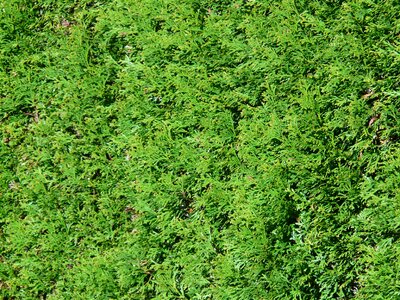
<point>199,150</point>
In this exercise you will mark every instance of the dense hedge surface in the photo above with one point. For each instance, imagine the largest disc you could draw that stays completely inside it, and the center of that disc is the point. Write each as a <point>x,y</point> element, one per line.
<point>199,149</point>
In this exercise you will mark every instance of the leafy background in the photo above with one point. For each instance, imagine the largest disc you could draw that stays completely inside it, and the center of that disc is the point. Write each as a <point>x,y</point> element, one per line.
<point>199,149</point>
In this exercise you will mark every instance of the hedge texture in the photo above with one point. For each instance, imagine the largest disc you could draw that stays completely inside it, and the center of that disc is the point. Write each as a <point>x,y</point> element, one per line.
<point>199,149</point>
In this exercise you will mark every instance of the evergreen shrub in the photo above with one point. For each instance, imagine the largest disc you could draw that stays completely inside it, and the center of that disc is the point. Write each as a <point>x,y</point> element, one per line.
<point>199,149</point>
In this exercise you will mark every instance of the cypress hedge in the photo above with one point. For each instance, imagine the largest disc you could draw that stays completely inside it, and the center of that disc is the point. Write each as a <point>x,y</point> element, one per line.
<point>199,149</point>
